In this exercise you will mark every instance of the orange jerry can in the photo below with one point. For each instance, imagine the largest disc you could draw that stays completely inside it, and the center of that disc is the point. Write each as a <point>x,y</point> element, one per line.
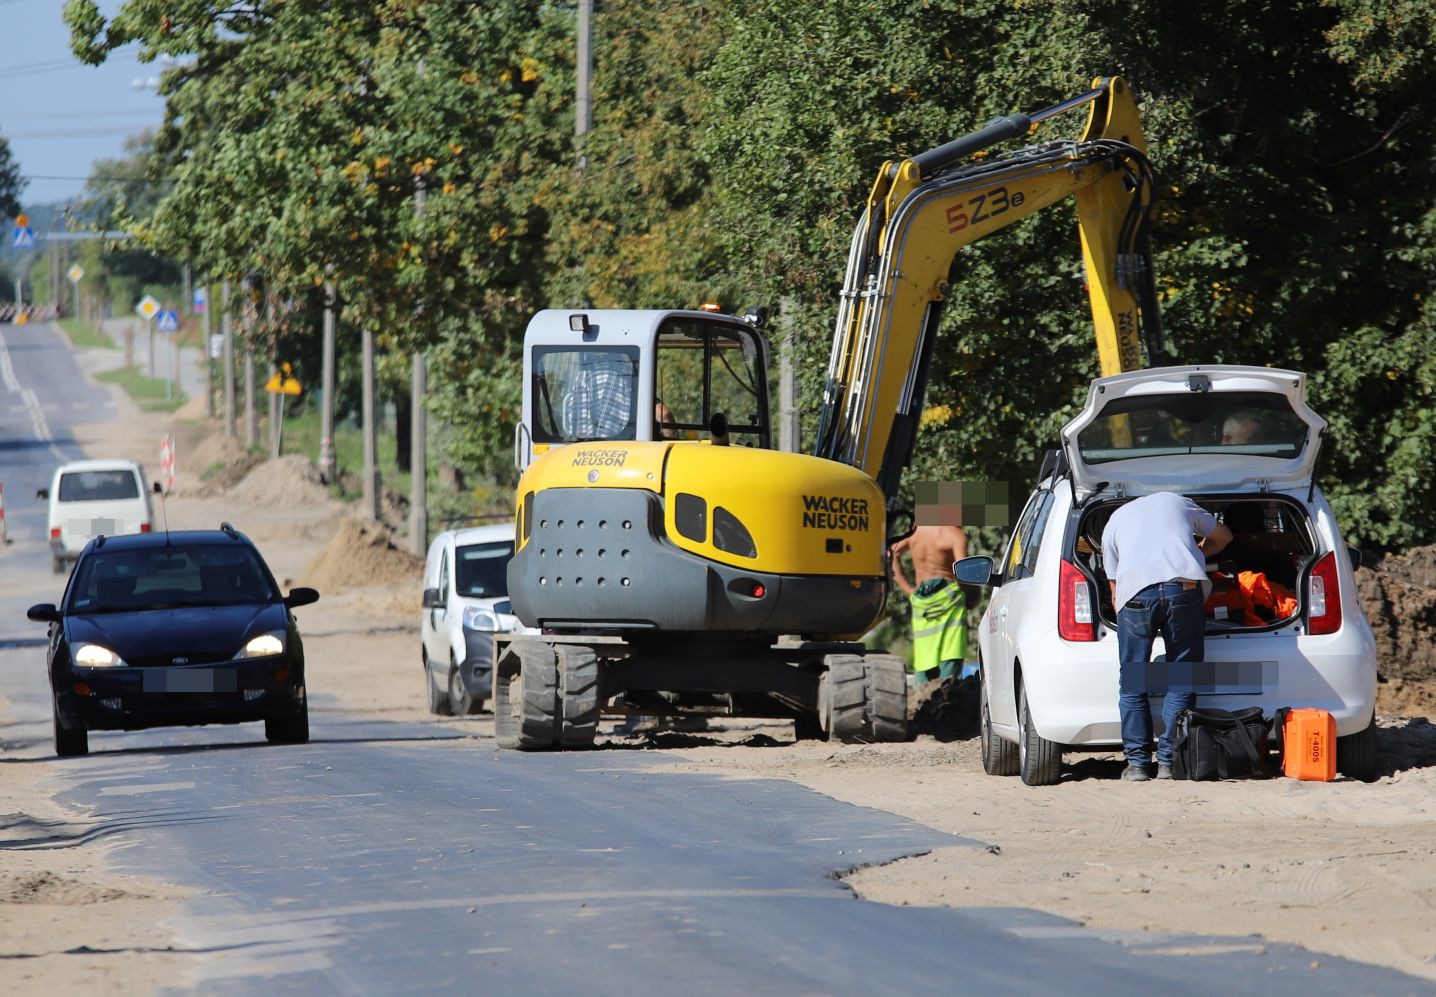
<point>1309,745</point>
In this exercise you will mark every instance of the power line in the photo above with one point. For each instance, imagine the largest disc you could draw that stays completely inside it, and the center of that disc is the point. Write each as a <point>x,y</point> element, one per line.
<point>78,132</point>
<point>52,115</point>
<point>37,176</point>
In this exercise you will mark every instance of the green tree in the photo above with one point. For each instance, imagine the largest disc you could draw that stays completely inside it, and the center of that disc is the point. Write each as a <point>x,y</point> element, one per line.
<point>11,182</point>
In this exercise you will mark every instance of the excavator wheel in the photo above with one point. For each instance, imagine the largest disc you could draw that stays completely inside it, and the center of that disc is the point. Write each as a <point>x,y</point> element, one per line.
<point>887,697</point>
<point>578,695</point>
<point>845,698</point>
<point>526,702</point>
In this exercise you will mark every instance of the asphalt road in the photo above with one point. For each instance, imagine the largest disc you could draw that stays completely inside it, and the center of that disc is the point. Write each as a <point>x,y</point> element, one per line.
<point>391,857</point>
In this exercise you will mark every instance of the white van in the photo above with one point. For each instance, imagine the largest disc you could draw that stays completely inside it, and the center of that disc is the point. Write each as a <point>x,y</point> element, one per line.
<point>93,497</point>
<point>465,603</point>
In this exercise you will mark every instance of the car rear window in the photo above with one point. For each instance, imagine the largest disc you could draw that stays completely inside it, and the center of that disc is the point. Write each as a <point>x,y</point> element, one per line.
<point>482,570</point>
<point>98,486</point>
<point>163,577</point>
<point>1252,423</point>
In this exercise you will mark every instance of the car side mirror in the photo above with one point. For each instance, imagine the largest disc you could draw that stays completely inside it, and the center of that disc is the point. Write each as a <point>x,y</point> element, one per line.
<point>157,488</point>
<point>1355,556</point>
<point>433,599</point>
<point>45,612</point>
<point>301,597</point>
<point>974,570</point>
<point>43,494</point>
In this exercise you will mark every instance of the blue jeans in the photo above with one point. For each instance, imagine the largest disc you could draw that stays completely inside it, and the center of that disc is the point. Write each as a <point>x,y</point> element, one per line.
<point>1175,614</point>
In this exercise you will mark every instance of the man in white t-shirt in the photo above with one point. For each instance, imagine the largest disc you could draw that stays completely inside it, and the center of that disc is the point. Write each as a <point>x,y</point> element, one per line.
<point>1156,570</point>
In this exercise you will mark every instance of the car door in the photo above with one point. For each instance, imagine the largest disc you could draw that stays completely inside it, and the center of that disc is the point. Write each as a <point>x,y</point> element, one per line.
<point>439,615</point>
<point>434,642</point>
<point>1010,601</point>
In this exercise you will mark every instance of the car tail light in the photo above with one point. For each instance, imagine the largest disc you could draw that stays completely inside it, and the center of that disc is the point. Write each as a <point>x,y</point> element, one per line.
<point>1076,619</point>
<point>144,527</point>
<point>1323,600</point>
<point>54,533</point>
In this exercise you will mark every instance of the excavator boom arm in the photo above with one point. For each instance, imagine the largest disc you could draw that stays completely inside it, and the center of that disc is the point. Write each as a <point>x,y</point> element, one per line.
<point>924,210</point>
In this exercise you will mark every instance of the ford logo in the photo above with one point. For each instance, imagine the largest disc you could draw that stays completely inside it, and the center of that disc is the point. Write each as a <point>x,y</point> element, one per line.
<point>180,661</point>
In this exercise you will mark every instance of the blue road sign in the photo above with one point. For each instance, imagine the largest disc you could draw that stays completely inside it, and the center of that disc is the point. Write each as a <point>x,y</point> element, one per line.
<point>167,321</point>
<point>24,238</point>
<point>201,300</point>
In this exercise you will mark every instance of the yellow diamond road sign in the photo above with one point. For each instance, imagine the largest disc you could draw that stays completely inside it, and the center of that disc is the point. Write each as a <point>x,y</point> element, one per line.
<point>283,382</point>
<point>75,273</point>
<point>148,307</point>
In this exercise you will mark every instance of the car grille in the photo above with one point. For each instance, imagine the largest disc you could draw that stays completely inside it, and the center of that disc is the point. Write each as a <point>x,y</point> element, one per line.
<point>168,658</point>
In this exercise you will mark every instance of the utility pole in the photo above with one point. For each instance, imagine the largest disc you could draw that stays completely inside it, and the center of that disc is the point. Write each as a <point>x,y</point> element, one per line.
<point>227,326</point>
<point>583,104</point>
<point>419,422</point>
<point>369,505</point>
<point>251,410</point>
<point>327,468</point>
<point>788,428</point>
<point>208,351</point>
<point>418,458</point>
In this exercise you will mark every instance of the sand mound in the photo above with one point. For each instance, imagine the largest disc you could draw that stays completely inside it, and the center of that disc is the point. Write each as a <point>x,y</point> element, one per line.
<point>220,462</point>
<point>362,554</point>
<point>291,480</point>
<point>1399,596</point>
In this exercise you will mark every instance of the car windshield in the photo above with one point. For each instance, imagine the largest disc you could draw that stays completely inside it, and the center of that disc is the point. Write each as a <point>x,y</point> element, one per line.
<point>1250,423</point>
<point>123,581</point>
<point>481,570</point>
<point>98,486</point>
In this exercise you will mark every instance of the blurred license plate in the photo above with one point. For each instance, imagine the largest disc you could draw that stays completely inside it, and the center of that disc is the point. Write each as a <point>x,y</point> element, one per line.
<point>188,680</point>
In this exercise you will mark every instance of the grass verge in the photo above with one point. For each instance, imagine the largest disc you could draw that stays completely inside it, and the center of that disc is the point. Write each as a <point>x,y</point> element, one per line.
<point>85,336</point>
<point>148,392</point>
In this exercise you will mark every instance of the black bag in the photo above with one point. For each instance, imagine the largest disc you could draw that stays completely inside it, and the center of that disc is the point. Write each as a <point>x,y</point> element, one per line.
<point>1219,744</point>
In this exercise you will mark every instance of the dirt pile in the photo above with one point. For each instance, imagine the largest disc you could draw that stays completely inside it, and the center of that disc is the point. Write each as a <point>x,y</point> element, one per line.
<point>220,462</point>
<point>1398,594</point>
<point>362,554</point>
<point>291,481</point>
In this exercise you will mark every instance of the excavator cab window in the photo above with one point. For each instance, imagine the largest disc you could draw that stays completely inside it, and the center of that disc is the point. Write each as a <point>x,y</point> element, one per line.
<point>585,393</point>
<point>706,369</point>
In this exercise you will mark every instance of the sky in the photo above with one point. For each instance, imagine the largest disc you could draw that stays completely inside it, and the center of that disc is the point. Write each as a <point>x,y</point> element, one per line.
<point>58,114</point>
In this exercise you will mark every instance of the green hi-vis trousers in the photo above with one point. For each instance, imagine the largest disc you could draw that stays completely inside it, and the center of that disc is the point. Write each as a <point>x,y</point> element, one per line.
<point>939,624</point>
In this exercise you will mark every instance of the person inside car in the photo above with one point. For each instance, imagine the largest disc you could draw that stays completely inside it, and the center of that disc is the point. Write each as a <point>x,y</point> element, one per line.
<point>1156,571</point>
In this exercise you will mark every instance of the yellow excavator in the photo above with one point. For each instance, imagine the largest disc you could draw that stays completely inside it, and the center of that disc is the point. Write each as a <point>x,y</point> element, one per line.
<point>670,561</point>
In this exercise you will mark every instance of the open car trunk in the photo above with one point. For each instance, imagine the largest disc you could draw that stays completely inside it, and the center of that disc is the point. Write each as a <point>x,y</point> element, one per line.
<point>1258,580</point>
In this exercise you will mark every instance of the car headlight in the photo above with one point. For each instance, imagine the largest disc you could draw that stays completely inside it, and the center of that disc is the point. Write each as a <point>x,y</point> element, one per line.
<point>263,646</point>
<point>95,656</point>
<point>478,618</point>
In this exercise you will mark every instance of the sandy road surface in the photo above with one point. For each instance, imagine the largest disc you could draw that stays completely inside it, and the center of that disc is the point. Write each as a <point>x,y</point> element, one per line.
<point>1343,868</point>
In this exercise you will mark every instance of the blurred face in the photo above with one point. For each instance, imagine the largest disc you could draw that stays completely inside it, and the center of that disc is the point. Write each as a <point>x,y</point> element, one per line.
<point>1237,431</point>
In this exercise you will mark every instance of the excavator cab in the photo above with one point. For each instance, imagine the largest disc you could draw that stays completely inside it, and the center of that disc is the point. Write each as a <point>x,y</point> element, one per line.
<point>593,376</point>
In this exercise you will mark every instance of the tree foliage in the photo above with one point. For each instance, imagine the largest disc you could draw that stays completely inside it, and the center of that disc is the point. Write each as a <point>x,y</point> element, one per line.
<point>733,145</point>
<point>11,183</point>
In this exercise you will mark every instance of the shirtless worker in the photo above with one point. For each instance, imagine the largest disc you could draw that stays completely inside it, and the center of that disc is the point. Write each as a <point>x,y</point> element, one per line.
<point>939,608</point>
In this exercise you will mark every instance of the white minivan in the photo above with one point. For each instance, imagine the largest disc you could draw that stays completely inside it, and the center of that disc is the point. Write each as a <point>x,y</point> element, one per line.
<point>1242,443</point>
<point>465,603</point>
<point>93,497</point>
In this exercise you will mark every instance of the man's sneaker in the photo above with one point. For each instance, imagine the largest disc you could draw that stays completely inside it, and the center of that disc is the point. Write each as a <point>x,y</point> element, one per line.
<point>1135,773</point>
<point>1164,771</point>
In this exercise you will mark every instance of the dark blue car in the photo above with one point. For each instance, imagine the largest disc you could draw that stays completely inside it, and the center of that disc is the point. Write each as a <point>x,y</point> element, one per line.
<point>171,629</point>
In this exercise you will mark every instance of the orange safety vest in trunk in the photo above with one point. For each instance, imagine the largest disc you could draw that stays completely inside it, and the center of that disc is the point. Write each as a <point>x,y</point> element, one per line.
<point>1267,601</point>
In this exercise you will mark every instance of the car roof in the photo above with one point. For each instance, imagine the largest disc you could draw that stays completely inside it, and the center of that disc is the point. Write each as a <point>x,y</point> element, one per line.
<point>115,464</point>
<point>173,538</point>
<point>483,534</point>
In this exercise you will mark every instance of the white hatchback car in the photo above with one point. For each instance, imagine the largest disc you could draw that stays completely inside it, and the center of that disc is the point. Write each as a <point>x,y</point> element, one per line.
<point>1242,443</point>
<point>92,497</point>
<point>465,604</point>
